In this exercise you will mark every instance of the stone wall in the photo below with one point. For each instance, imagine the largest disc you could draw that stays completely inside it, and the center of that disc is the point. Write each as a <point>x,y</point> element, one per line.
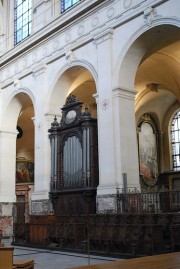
<point>106,203</point>
<point>6,219</point>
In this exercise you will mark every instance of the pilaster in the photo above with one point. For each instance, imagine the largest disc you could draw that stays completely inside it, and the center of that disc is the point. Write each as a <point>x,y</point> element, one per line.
<point>106,192</point>
<point>7,159</point>
<point>40,196</point>
<point>125,137</point>
<point>104,105</point>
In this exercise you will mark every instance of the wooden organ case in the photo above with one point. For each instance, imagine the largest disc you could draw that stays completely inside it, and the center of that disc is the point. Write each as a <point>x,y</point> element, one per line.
<point>74,160</point>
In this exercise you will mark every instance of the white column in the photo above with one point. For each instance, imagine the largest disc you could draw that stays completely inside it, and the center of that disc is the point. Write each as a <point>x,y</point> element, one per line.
<point>107,180</point>
<point>7,166</point>
<point>126,152</point>
<point>42,142</point>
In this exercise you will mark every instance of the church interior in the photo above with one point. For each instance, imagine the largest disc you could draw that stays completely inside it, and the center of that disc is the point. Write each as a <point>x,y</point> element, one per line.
<point>90,125</point>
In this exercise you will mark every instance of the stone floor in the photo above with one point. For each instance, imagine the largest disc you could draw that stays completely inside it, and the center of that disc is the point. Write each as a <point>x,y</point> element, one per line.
<point>51,259</point>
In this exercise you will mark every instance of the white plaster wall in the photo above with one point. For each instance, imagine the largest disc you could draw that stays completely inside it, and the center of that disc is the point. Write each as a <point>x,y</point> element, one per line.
<point>3,25</point>
<point>43,13</point>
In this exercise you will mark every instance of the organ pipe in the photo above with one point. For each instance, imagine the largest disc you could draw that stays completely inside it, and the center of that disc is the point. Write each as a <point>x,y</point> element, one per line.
<point>88,157</point>
<point>52,161</point>
<point>72,161</point>
<point>84,155</point>
<point>55,160</point>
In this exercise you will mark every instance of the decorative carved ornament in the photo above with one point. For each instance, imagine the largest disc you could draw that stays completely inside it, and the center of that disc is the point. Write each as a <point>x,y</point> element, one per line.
<point>150,14</point>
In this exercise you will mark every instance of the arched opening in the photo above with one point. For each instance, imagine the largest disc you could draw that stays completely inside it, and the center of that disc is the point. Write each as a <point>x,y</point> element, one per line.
<point>18,112</point>
<point>157,84</point>
<point>76,80</point>
<point>24,158</point>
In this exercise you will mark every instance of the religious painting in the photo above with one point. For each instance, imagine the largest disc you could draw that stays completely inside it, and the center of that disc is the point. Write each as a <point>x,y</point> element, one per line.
<point>148,160</point>
<point>24,171</point>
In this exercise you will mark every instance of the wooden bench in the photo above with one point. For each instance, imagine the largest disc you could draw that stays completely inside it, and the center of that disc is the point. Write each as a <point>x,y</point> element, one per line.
<point>7,262</point>
<point>24,264</point>
<point>6,258</point>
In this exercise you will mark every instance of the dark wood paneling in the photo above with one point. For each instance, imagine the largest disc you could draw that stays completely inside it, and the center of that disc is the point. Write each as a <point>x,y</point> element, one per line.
<point>116,234</point>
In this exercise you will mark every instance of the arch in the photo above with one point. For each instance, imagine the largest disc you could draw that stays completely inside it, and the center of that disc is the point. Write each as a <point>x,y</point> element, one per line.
<point>13,108</point>
<point>150,102</point>
<point>24,90</point>
<point>135,50</point>
<point>149,65</point>
<point>69,83</point>
<point>18,111</point>
<point>72,63</point>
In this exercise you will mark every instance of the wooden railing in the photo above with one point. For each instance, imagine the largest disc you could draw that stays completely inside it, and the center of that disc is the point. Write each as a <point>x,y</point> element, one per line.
<point>160,201</point>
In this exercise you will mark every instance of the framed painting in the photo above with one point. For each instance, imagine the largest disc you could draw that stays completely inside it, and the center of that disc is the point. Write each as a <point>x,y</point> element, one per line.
<point>24,171</point>
<point>148,158</point>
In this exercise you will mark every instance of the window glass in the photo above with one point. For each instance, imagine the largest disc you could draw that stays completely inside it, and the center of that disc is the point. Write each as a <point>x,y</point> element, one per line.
<point>68,3</point>
<point>175,140</point>
<point>19,2</point>
<point>22,21</point>
<point>19,36</point>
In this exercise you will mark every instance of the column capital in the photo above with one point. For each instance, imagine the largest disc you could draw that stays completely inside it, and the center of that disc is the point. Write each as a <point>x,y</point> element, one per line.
<point>50,117</point>
<point>96,96</point>
<point>124,93</point>
<point>105,35</point>
<point>9,134</point>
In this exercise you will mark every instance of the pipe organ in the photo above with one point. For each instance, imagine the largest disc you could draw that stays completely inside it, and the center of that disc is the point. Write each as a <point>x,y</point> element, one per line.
<point>74,160</point>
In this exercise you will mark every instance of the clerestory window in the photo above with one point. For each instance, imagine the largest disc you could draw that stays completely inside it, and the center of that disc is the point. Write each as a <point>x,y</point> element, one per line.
<point>67,4</point>
<point>22,19</point>
<point>175,140</point>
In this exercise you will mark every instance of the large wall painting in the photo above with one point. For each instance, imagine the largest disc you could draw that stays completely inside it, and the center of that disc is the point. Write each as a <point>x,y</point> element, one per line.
<point>24,171</point>
<point>148,154</point>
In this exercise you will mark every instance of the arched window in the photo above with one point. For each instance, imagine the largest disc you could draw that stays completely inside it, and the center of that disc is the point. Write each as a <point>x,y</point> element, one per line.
<point>22,19</point>
<point>67,4</point>
<point>175,141</point>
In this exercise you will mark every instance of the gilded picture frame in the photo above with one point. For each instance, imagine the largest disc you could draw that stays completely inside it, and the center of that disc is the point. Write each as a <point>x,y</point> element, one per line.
<point>24,171</point>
